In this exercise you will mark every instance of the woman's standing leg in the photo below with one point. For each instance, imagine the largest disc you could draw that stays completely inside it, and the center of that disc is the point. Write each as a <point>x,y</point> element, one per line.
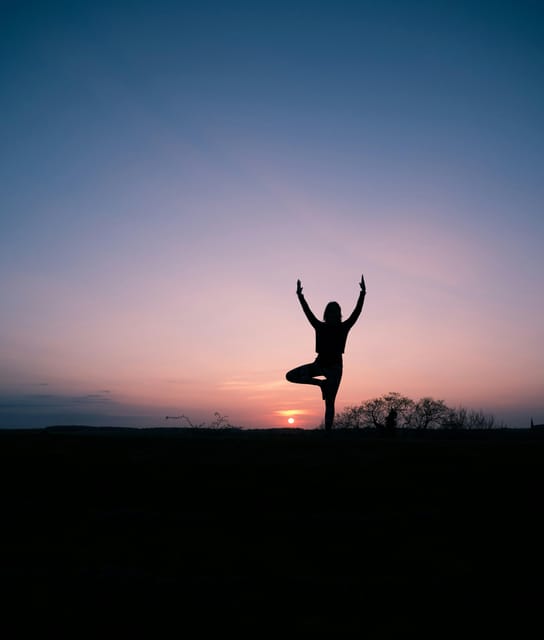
<point>330,389</point>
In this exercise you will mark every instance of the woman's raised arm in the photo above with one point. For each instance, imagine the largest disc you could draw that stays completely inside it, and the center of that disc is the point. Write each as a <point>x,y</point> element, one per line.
<point>305,307</point>
<point>359,306</point>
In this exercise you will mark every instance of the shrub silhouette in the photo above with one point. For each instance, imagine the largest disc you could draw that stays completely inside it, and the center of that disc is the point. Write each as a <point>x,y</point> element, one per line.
<point>425,413</point>
<point>220,422</point>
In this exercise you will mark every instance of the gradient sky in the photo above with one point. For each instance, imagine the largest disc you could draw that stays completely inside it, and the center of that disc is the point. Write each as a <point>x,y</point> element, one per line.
<point>169,169</point>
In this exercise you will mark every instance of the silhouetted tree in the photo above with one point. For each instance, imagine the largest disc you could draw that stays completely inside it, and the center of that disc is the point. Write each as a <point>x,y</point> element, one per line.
<point>429,412</point>
<point>426,413</point>
<point>376,411</point>
<point>479,420</point>
<point>456,419</point>
<point>350,418</point>
<point>373,413</point>
<point>462,418</point>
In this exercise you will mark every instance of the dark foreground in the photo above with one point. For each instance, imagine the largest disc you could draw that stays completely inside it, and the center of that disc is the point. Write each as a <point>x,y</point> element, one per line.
<point>165,532</point>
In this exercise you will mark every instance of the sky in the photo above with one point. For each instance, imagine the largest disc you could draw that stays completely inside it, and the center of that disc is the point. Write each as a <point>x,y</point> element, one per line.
<point>168,170</point>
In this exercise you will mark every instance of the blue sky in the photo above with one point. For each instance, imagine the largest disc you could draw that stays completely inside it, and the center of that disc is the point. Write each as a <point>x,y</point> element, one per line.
<point>168,170</point>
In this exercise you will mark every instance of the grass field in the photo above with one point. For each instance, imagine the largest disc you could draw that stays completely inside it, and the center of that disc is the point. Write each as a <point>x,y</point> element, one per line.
<point>284,531</point>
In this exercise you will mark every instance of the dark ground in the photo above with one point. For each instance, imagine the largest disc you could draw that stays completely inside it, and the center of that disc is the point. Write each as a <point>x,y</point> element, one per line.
<point>130,531</point>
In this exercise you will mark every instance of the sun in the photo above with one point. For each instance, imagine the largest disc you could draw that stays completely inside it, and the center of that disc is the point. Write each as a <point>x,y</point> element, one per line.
<point>290,420</point>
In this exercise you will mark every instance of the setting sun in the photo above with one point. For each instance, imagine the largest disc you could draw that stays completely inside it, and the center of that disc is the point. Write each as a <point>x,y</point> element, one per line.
<point>291,420</point>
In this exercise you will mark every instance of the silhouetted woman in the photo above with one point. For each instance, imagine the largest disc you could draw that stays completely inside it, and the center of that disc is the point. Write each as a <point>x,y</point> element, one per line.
<point>330,342</point>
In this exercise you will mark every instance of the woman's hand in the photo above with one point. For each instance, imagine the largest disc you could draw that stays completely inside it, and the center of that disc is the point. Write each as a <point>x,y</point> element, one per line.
<point>299,288</point>
<point>361,284</point>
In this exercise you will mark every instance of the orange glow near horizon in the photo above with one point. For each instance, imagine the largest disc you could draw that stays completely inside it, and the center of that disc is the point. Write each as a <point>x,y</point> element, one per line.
<point>289,413</point>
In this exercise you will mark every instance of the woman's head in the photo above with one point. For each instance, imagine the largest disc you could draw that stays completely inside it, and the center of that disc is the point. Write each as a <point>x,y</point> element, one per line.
<point>332,313</point>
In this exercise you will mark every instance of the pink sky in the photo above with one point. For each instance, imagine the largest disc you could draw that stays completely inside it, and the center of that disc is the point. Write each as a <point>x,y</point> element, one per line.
<point>214,327</point>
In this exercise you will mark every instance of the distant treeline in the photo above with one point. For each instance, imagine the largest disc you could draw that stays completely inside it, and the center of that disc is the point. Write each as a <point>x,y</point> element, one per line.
<point>394,410</point>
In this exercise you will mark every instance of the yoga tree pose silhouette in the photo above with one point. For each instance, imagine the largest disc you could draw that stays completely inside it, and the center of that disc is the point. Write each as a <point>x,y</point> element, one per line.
<point>330,342</point>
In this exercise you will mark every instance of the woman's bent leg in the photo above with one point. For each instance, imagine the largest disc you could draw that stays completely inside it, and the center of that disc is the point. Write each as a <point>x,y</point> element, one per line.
<point>305,374</point>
